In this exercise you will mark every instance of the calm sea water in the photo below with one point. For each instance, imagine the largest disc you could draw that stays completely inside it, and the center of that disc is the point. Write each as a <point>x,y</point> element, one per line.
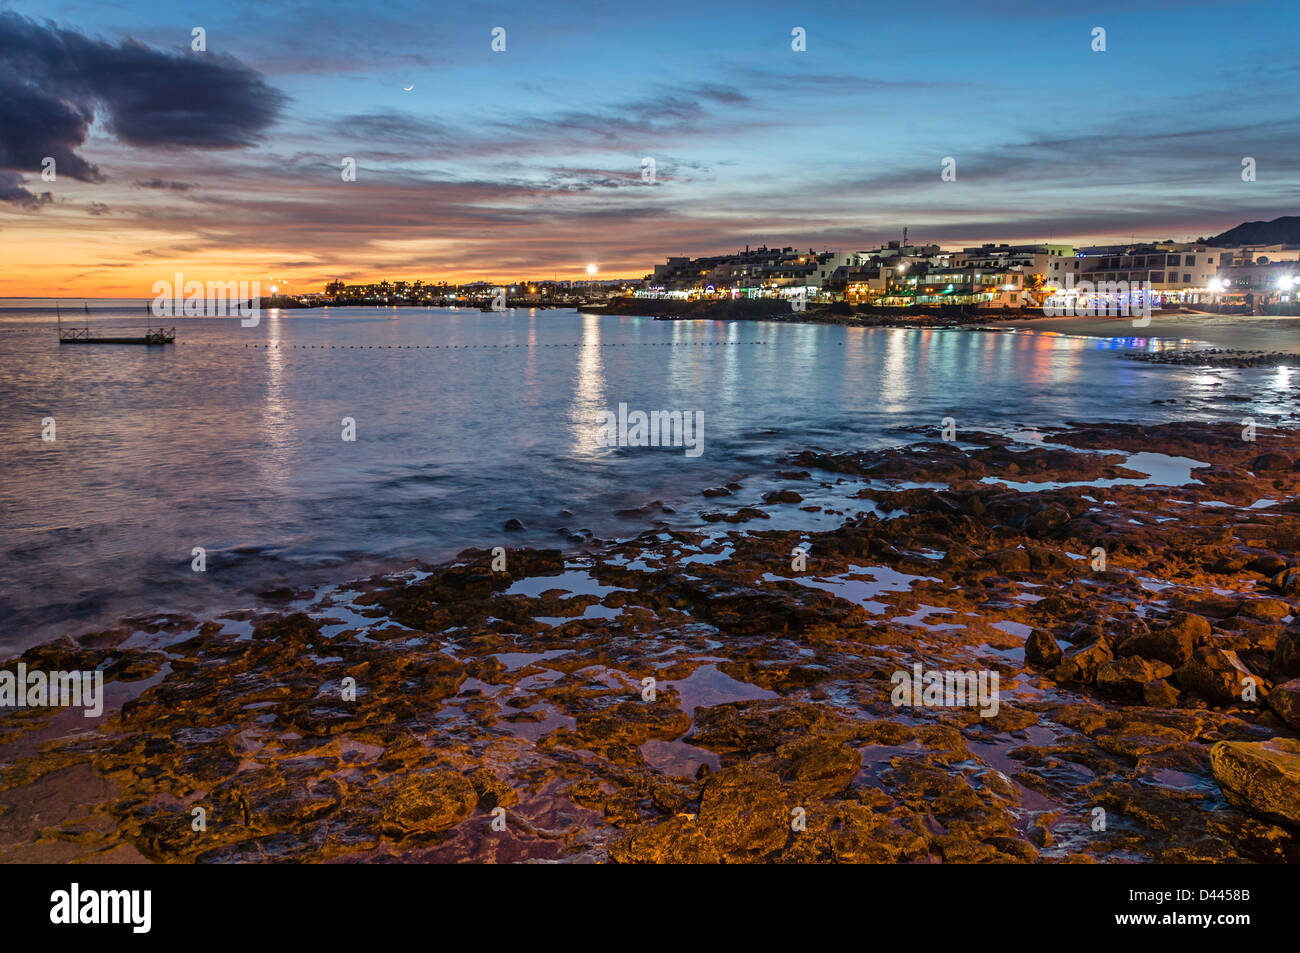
<point>231,439</point>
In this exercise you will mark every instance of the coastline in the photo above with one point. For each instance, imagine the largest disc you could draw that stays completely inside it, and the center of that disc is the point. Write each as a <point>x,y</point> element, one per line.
<point>1239,334</point>
<point>524,689</point>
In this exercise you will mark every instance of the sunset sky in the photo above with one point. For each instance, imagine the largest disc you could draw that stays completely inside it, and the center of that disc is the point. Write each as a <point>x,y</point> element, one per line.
<point>225,164</point>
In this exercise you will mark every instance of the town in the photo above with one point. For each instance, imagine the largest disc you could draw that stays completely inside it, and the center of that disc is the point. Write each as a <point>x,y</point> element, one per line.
<point>1205,275</point>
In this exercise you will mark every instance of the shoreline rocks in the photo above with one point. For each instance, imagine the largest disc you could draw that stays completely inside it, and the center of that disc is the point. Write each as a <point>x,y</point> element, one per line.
<point>687,697</point>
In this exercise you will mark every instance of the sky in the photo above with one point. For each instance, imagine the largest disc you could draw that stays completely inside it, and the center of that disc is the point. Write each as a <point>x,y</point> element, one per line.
<point>532,162</point>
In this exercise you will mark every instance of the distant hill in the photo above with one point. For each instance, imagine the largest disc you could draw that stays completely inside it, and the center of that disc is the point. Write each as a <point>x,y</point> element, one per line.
<point>1285,230</point>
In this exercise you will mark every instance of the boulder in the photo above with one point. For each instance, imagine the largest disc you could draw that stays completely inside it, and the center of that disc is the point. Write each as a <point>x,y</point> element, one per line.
<point>1041,649</point>
<point>1081,663</point>
<point>1004,562</point>
<point>1271,463</point>
<point>1172,644</point>
<point>1159,694</point>
<point>1125,679</point>
<point>1218,676</point>
<point>1049,518</point>
<point>1262,777</point>
<point>1284,699</point>
<point>1286,656</point>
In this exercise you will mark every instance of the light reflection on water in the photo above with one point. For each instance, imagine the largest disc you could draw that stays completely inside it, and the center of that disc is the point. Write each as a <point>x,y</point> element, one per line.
<point>464,420</point>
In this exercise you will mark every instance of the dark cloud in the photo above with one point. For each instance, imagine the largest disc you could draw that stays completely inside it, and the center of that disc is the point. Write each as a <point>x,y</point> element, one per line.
<point>54,82</point>
<point>12,191</point>
<point>672,114</point>
<point>163,184</point>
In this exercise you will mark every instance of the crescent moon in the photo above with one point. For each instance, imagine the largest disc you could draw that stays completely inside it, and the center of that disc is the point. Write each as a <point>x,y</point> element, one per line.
<point>409,88</point>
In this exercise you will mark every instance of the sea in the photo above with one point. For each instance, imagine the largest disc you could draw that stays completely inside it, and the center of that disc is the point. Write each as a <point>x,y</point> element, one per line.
<point>119,465</point>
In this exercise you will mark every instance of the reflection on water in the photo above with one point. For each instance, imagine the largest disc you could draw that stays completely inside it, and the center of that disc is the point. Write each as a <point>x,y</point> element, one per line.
<point>273,464</point>
<point>589,392</point>
<point>464,420</point>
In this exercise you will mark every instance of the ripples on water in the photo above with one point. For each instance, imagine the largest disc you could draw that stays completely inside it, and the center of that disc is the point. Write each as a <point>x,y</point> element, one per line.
<point>230,439</point>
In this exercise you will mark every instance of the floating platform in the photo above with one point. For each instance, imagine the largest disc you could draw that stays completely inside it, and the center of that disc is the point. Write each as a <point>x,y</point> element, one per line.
<point>85,336</point>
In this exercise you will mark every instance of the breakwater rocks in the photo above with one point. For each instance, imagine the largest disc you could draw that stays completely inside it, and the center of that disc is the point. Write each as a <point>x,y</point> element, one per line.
<point>730,693</point>
<point>1216,357</point>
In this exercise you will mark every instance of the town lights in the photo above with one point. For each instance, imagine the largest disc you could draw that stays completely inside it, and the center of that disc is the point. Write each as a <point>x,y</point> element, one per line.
<point>1217,284</point>
<point>1286,282</point>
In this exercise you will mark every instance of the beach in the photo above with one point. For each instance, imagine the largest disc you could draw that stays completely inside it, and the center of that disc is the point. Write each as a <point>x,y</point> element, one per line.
<point>1232,331</point>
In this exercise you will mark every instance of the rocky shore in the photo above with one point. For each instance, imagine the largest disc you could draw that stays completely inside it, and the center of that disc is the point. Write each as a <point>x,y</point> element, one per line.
<point>1217,357</point>
<point>727,694</point>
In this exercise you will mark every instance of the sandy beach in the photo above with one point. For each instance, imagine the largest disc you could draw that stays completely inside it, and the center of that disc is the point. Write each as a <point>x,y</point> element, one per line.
<point>1238,332</point>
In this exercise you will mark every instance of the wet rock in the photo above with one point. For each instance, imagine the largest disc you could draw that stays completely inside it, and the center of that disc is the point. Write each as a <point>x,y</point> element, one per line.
<point>744,813</point>
<point>1286,656</point>
<point>862,836</point>
<point>713,491</point>
<point>491,791</point>
<point>817,767</point>
<point>1041,649</point>
<point>1081,663</point>
<point>676,841</point>
<point>1284,699</point>
<point>782,496</point>
<point>1159,694</point>
<point>750,727</point>
<point>425,804</point>
<point>298,628</point>
<point>620,729</point>
<point>513,525</point>
<point>1139,739</point>
<point>1173,644</point>
<point>1218,676</point>
<point>1262,777</point>
<point>1268,564</point>
<point>1005,562</point>
<point>1126,679</point>
<point>1051,562</point>
<point>1287,582</point>
<point>1271,463</point>
<point>1271,610</point>
<point>1047,520</point>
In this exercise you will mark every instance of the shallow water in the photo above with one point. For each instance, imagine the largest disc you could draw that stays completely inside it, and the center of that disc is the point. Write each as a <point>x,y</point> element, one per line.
<point>231,439</point>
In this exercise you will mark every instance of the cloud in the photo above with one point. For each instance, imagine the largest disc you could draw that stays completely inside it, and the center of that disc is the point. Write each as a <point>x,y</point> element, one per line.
<point>12,191</point>
<point>55,82</point>
<point>163,184</point>
<point>672,114</point>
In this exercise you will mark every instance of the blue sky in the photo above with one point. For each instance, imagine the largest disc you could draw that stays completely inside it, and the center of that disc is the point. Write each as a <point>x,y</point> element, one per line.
<point>529,162</point>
